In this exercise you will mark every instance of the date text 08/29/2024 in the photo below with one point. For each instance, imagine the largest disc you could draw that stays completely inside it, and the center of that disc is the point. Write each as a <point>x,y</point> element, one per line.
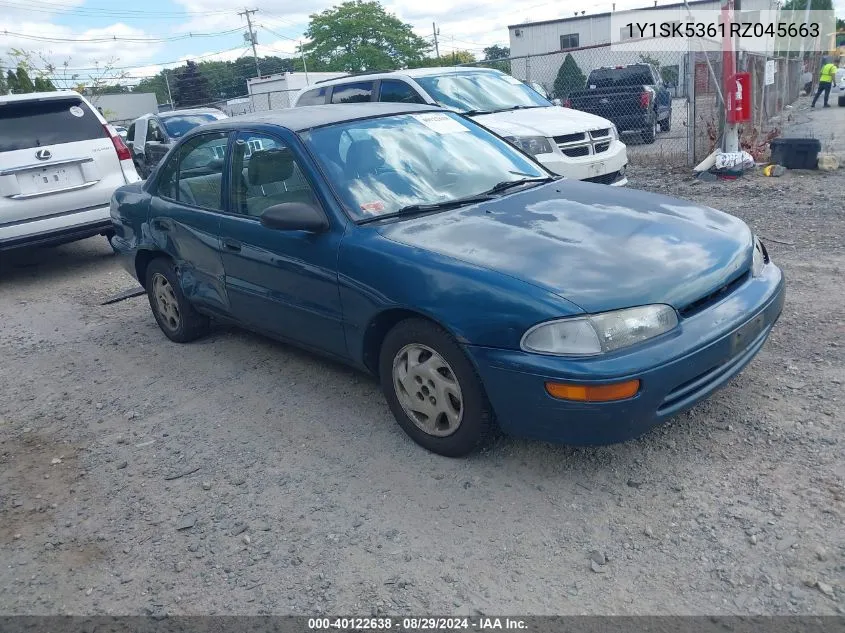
<point>422,623</point>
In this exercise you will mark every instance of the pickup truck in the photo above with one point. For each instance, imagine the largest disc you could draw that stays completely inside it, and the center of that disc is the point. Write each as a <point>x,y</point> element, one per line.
<point>633,97</point>
<point>151,136</point>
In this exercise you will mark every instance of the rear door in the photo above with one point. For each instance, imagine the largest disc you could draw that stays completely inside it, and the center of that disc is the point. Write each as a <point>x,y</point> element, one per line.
<point>56,156</point>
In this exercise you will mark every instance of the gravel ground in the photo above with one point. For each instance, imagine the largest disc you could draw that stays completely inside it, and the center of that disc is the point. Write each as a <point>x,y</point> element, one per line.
<point>239,475</point>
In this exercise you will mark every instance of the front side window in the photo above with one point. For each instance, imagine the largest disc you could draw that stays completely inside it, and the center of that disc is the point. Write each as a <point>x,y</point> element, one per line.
<point>480,91</point>
<point>382,165</point>
<point>200,178</point>
<point>353,93</point>
<point>396,91</point>
<point>154,132</point>
<point>265,173</point>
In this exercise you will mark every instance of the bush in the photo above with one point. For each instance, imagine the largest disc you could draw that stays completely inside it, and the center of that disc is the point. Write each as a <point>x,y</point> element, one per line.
<point>569,78</point>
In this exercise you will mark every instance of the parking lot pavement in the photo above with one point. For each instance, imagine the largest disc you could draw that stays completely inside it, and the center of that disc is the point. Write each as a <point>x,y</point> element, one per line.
<point>239,475</point>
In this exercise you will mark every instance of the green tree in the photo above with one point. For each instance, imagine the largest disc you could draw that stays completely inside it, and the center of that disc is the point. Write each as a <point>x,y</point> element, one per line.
<point>12,81</point>
<point>43,84</point>
<point>3,87</point>
<point>497,56</point>
<point>25,84</point>
<point>357,35</point>
<point>454,58</point>
<point>801,5</point>
<point>193,86</point>
<point>569,78</point>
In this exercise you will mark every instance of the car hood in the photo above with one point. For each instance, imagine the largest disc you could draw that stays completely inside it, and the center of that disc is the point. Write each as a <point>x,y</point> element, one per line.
<point>548,122</point>
<point>599,247</point>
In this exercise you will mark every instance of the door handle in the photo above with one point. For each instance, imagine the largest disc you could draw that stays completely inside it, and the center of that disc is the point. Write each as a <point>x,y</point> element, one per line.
<point>232,245</point>
<point>159,225</point>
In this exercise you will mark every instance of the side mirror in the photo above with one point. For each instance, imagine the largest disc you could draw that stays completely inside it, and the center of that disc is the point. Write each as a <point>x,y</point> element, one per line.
<point>557,102</point>
<point>294,216</point>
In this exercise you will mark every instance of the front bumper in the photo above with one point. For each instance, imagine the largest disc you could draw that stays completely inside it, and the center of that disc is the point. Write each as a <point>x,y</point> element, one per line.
<point>591,166</point>
<point>676,371</point>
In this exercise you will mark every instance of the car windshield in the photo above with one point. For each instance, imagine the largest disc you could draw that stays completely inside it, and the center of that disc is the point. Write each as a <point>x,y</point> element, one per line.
<point>178,126</point>
<point>381,166</point>
<point>480,91</point>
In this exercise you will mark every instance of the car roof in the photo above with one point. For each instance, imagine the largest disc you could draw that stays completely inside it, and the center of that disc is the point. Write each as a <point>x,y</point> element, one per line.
<point>408,72</point>
<point>307,117</point>
<point>40,96</point>
<point>187,111</point>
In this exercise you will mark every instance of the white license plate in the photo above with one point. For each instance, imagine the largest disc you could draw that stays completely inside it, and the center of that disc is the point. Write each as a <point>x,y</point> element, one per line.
<point>597,169</point>
<point>50,179</point>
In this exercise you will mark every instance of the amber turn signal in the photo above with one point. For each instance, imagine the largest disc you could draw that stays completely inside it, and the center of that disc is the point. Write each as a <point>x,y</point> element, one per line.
<point>594,393</point>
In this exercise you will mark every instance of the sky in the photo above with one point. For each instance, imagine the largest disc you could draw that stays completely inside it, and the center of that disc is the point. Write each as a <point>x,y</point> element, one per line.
<point>80,32</point>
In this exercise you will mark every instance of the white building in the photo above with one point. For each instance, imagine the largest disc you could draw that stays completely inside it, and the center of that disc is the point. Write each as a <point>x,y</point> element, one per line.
<point>279,91</point>
<point>588,37</point>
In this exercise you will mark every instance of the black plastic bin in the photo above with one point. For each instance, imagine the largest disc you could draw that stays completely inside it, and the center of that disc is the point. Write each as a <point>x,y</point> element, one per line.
<point>796,153</point>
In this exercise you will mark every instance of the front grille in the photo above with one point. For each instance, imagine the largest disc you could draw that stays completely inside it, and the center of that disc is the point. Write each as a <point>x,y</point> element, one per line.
<point>605,179</point>
<point>602,147</point>
<point>600,133</point>
<point>711,298</point>
<point>575,152</point>
<point>569,138</point>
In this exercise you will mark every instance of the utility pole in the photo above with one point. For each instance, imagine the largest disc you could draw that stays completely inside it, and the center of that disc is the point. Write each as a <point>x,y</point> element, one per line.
<point>169,94</point>
<point>252,39</point>
<point>304,67</point>
<point>436,45</point>
<point>731,141</point>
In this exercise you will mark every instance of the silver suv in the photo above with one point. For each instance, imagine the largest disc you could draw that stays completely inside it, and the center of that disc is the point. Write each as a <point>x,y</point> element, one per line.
<point>60,162</point>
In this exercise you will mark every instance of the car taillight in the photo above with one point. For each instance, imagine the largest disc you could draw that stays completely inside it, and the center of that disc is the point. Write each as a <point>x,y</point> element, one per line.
<point>645,99</point>
<point>567,103</point>
<point>119,146</point>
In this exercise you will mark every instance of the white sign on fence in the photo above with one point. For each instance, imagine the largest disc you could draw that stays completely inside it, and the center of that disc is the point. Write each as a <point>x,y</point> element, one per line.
<point>770,72</point>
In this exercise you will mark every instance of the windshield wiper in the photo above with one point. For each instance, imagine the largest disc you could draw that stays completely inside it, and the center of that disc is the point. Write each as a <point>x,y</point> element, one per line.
<point>508,184</point>
<point>517,107</point>
<point>415,209</point>
<point>475,112</point>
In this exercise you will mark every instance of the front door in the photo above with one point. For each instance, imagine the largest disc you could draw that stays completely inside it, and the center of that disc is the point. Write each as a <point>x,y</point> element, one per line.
<point>280,282</point>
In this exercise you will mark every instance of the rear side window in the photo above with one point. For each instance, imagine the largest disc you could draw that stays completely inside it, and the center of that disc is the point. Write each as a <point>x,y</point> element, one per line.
<point>313,97</point>
<point>28,124</point>
<point>353,93</point>
<point>394,91</point>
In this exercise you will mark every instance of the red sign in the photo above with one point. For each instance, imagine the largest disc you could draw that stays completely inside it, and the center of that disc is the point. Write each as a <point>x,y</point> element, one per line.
<point>739,98</point>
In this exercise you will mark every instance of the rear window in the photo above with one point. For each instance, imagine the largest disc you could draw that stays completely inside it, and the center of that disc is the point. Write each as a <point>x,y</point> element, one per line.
<point>353,93</point>
<point>28,124</point>
<point>628,76</point>
<point>313,97</point>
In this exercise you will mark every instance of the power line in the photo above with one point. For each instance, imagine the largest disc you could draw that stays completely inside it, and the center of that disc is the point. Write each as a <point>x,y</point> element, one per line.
<point>43,6</point>
<point>115,38</point>
<point>175,61</point>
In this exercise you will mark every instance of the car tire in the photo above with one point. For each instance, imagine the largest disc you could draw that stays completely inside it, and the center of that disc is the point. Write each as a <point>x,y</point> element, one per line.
<point>649,134</point>
<point>666,124</point>
<point>457,418</point>
<point>176,317</point>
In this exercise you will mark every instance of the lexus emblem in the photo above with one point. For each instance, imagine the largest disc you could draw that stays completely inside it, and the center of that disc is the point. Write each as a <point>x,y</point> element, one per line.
<point>43,154</point>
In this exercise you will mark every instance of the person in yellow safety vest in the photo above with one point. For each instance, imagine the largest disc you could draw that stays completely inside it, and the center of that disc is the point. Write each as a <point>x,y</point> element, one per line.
<point>826,79</point>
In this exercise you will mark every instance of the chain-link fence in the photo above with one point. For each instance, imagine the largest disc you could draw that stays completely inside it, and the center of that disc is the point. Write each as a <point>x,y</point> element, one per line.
<point>667,104</point>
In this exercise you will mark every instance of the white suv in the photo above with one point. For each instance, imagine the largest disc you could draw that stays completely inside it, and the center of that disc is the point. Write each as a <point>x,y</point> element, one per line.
<point>60,162</point>
<point>573,144</point>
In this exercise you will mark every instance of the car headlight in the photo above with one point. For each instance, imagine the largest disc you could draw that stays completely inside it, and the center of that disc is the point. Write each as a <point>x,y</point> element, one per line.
<point>760,259</point>
<point>614,132</point>
<point>600,333</point>
<point>531,144</point>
